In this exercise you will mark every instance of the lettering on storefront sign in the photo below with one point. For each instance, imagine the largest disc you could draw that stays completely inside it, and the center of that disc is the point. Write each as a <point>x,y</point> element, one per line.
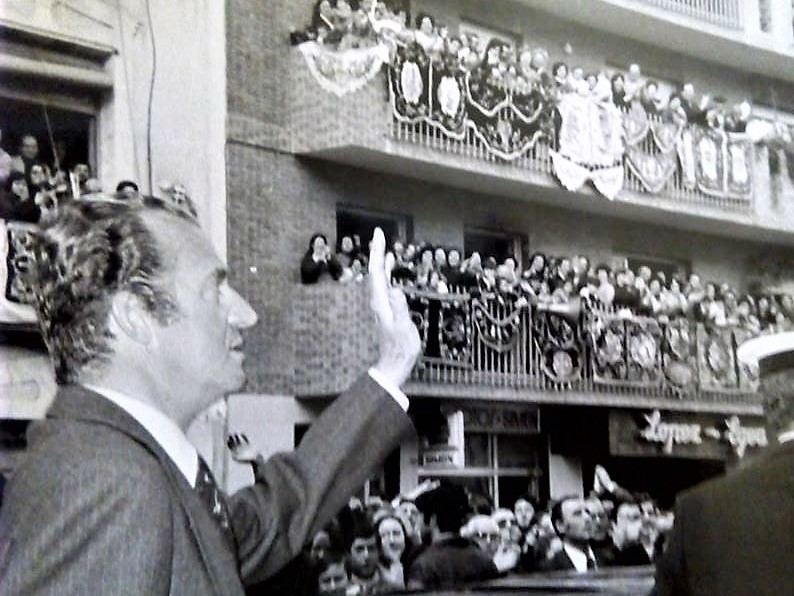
<point>739,437</point>
<point>670,434</point>
<point>511,420</point>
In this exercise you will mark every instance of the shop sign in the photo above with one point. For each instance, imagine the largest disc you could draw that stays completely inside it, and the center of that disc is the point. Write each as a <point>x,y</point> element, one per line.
<point>682,435</point>
<point>500,419</point>
<point>441,456</point>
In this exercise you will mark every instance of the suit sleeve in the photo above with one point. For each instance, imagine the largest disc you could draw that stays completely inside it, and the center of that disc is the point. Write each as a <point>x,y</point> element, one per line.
<point>58,539</point>
<point>297,493</point>
<point>671,574</point>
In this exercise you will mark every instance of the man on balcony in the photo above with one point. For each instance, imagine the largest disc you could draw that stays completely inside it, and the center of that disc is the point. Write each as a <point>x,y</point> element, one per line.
<point>735,535</point>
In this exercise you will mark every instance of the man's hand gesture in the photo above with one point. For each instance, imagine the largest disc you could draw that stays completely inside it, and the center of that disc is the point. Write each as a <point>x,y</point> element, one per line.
<point>242,450</point>
<point>399,339</point>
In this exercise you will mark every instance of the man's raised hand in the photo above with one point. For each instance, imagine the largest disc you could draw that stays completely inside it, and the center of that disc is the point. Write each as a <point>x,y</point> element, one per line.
<point>399,339</point>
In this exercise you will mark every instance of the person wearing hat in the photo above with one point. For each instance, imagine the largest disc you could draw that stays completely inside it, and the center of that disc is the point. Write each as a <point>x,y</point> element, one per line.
<point>735,535</point>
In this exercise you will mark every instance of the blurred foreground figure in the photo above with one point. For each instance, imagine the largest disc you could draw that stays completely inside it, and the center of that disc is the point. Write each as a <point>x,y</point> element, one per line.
<point>736,535</point>
<point>145,332</point>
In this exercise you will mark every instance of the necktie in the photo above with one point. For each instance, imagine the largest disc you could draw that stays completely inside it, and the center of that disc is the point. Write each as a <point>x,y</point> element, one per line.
<point>591,562</point>
<point>207,489</point>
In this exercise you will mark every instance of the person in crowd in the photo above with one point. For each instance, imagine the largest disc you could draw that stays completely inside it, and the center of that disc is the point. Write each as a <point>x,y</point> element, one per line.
<point>28,156</point>
<point>573,524</point>
<point>393,546</point>
<point>524,510</point>
<point>600,540</point>
<point>128,190</point>
<point>450,559</point>
<point>318,260</point>
<point>505,519</point>
<point>425,267</point>
<point>483,531</point>
<point>6,163</point>
<point>16,204</point>
<point>626,529</point>
<point>126,393</point>
<point>363,556</point>
<point>332,575</point>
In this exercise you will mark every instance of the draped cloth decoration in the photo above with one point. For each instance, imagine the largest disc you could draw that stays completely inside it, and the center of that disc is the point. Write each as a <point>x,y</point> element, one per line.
<point>345,71</point>
<point>507,123</point>
<point>652,170</point>
<point>716,163</point>
<point>590,145</point>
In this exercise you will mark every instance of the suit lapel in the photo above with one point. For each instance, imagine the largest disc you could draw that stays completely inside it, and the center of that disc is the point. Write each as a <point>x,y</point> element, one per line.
<point>78,403</point>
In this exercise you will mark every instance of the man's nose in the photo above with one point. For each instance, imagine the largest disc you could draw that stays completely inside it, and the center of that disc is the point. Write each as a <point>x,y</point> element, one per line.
<point>241,315</point>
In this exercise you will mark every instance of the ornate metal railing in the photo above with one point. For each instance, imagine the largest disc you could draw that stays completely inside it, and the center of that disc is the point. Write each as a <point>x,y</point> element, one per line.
<point>487,339</point>
<point>726,13</point>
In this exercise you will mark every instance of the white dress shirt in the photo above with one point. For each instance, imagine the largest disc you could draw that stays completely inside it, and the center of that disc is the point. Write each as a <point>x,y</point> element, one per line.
<point>174,441</point>
<point>578,557</point>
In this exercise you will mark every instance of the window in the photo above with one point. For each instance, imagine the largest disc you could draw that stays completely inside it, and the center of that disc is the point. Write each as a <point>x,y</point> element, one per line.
<point>499,245</point>
<point>352,221</point>
<point>69,133</point>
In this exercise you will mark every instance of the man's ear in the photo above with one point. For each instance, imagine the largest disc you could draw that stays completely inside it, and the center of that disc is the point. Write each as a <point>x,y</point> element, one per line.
<point>128,317</point>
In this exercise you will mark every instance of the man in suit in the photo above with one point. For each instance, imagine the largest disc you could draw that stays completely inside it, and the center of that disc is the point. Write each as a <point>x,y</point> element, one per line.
<point>144,332</point>
<point>574,525</point>
<point>735,535</point>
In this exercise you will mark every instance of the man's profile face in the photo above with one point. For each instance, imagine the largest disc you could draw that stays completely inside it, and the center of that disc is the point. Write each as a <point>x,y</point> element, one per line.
<point>364,557</point>
<point>628,522</point>
<point>411,512</point>
<point>600,519</point>
<point>30,147</point>
<point>202,348</point>
<point>576,522</point>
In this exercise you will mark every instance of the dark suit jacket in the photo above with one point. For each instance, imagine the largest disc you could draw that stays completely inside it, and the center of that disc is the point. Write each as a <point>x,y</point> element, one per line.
<point>98,507</point>
<point>449,563</point>
<point>734,535</point>
<point>559,562</point>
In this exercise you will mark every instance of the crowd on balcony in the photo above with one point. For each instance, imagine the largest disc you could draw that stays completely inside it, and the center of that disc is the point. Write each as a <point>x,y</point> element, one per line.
<point>561,283</point>
<point>345,24</point>
<point>31,188</point>
<point>441,535</point>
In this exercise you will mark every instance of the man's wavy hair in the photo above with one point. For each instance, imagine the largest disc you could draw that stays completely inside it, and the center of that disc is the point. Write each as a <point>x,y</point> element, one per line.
<point>77,262</point>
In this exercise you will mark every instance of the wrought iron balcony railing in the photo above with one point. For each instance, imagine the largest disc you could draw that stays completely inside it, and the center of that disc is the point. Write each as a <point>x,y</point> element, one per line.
<point>472,340</point>
<point>725,13</point>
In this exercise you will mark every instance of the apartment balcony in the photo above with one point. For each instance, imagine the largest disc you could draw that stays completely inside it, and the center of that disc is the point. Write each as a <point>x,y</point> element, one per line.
<point>482,347</point>
<point>752,35</point>
<point>366,128</point>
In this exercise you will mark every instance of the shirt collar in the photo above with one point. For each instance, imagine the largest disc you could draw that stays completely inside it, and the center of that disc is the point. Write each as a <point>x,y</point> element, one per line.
<point>163,430</point>
<point>577,556</point>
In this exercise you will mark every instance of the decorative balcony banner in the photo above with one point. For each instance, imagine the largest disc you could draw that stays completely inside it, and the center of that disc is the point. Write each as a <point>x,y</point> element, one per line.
<point>560,345</point>
<point>653,170</point>
<point>679,362</point>
<point>626,349</point>
<point>748,374</point>
<point>497,328</point>
<point>343,71</point>
<point>507,122</point>
<point>590,145</point>
<point>715,162</point>
<point>716,362</point>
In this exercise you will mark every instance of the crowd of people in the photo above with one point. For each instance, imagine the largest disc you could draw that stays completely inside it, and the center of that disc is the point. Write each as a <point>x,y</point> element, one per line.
<point>498,65</point>
<point>31,188</point>
<point>565,282</point>
<point>440,535</point>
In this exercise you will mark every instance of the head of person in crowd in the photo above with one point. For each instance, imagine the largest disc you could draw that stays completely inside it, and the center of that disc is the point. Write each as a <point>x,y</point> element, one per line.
<point>332,576</point>
<point>82,172</point>
<point>391,533</point>
<point>445,508</point>
<point>453,258</point>
<point>38,175</point>
<point>18,186</point>
<point>427,257</point>
<point>318,247</point>
<point>410,252</point>
<point>572,521</point>
<point>600,519</point>
<point>320,546</point>
<point>483,531</point>
<point>408,510</point>
<point>524,509</point>
<point>626,525</point>
<point>127,189</point>
<point>506,521</point>
<point>362,549</point>
<point>440,257</point>
<point>117,286</point>
<point>29,147</point>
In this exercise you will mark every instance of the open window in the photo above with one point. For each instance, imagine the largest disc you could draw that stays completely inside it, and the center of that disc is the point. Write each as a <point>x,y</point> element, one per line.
<point>356,221</point>
<point>499,245</point>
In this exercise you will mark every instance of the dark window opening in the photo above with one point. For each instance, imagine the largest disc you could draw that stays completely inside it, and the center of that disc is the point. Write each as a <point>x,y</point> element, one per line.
<point>352,221</point>
<point>497,245</point>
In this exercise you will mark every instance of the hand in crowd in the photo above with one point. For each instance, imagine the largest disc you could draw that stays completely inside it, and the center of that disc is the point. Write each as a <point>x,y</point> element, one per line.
<point>242,450</point>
